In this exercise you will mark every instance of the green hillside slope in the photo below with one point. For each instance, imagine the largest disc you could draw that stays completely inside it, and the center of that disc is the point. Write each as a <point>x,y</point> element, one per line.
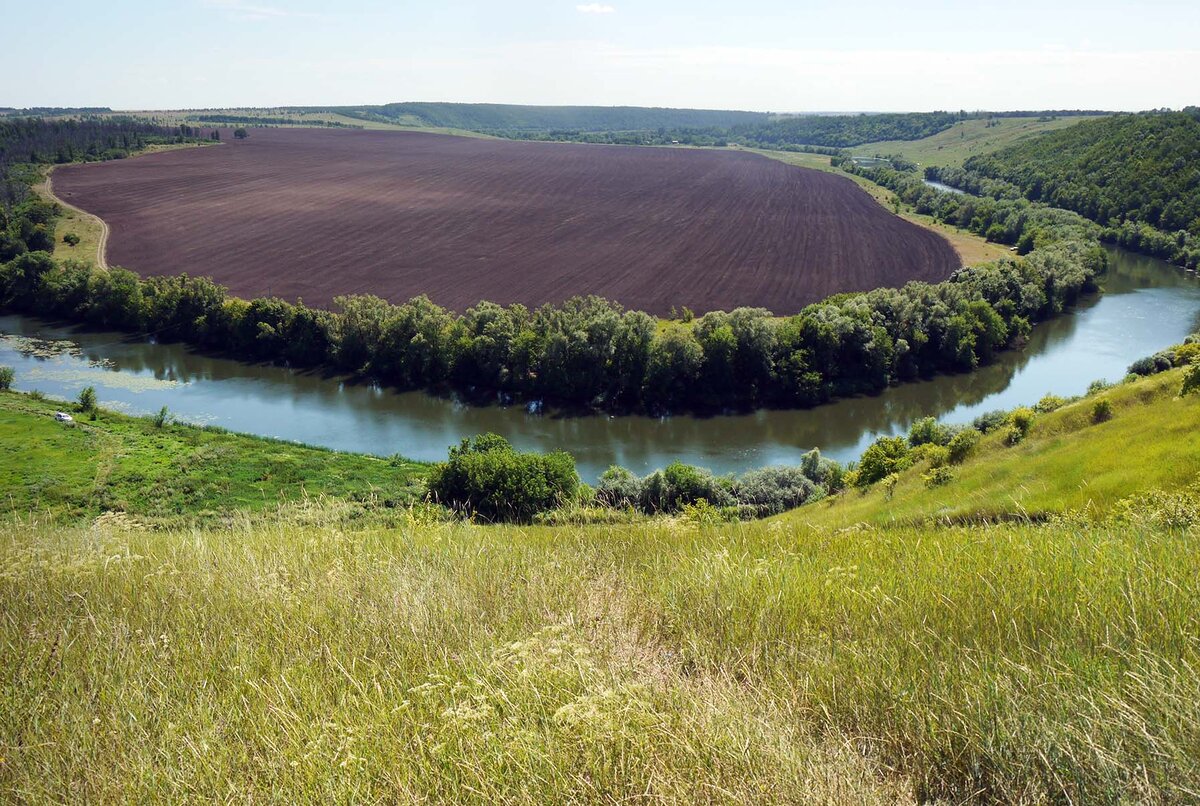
<point>1067,463</point>
<point>1143,168</point>
<point>967,138</point>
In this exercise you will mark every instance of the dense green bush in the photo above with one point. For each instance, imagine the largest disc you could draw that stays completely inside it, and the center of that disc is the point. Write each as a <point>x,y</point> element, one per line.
<point>938,476</point>
<point>1153,364</point>
<point>928,431</point>
<point>771,490</point>
<point>989,421</point>
<point>885,456</point>
<point>931,453</point>
<point>1050,403</point>
<point>6,378</point>
<point>678,484</point>
<point>1102,411</point>
<point>1021,418</point>
<point>757,493</point>
<point>962,445</point>
<point>619,488</point>
<point>1191,381</point>
<point>485,477</point>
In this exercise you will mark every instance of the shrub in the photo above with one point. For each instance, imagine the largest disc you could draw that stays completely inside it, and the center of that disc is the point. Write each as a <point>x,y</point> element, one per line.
<point>989,421</point>
<point>669,489</point>
<point>934,455</point>
<point>6,378</point>
<point>928,431</point>
<point>619,488</point>
<point>937,477</point>
<point>771,490</point>
<point>1098,386</point>
<point>1102,411</point>
<point>36,394</point>
<point>161,418</point>
<point>486,477</point>
<point>71,239</point>
<point>1050,403</point>
<point>87,399</point>
<point>1013,435</point>
<point>963,444</point>
<point>1188,353</point>
<point>1021,419</point>
<point>702,513</point>
<point>886,456</point>
<point>1152,365</point>
<point>1191,381</point>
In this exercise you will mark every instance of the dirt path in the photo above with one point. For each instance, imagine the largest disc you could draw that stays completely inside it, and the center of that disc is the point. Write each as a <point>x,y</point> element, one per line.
<point>102,243</point>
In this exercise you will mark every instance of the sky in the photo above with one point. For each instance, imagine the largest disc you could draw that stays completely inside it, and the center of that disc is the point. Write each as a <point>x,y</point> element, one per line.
<point>763,55</point>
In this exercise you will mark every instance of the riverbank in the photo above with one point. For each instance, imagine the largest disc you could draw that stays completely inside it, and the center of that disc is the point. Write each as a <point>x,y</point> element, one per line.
<point>1147,306</point>
<point>179,473</point>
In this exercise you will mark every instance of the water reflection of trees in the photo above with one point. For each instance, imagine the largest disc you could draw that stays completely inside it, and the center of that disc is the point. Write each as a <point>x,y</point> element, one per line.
<point>324,409</point>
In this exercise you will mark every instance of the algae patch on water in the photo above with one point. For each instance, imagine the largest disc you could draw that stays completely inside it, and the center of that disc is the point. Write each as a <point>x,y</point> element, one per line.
<point>63,361</point>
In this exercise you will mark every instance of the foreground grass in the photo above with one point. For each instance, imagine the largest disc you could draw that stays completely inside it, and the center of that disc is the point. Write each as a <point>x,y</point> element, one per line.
<point>656,662</point>
<point>966,139</point>
<point>127,464</point>
<point>1067,463</point>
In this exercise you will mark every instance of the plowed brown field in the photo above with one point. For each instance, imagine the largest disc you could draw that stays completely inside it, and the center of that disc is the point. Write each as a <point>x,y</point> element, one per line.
<point>313,214</point>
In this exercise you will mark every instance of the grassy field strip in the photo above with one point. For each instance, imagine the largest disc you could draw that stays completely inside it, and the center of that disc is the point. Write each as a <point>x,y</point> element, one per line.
<point>179,472</point>
<point>966,139</point>
<point>92,230</point>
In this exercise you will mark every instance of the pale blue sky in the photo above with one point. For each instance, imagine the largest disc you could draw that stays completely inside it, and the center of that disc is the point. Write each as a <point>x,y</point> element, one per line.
<point>761,55</point>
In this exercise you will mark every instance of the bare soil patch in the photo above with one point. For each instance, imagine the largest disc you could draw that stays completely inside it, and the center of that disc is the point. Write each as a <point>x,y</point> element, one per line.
<point>304,213</point>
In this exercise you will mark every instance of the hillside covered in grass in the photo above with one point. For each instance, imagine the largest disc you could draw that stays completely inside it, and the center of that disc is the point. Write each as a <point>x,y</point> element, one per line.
<point>1068,463</point>
<point>1025,631</point>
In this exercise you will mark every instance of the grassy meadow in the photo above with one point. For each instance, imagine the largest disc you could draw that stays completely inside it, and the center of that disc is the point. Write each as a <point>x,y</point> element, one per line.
<point>660,662</point>
<point>966,139</point>
<point>874,649</point>
<point>175,473</point>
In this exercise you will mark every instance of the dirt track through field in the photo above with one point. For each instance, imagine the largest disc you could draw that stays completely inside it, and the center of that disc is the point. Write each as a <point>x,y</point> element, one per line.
<point>313,214</point>
<point>102,243</point>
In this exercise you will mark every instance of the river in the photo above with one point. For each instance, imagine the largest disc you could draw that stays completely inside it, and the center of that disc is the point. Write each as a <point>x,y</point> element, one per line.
<point>1147,305</point>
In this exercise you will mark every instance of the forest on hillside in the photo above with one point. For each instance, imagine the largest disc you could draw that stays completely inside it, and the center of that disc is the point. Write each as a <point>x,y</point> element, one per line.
<point>1142,168</point>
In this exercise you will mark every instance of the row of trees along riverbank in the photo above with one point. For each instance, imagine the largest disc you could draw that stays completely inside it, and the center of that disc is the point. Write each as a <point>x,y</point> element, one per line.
<point>591,352</point>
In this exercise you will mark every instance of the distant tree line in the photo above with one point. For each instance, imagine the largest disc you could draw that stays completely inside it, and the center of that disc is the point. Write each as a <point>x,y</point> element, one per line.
<point>46,111</point>
<point>514,117</point>
<point>1137,175</point>
<point>26,142</point>
<point>252,120</point>
<point>641,125</point>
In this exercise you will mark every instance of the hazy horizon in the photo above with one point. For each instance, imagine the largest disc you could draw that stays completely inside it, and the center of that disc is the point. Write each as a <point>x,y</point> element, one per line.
<point>774,56</point>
